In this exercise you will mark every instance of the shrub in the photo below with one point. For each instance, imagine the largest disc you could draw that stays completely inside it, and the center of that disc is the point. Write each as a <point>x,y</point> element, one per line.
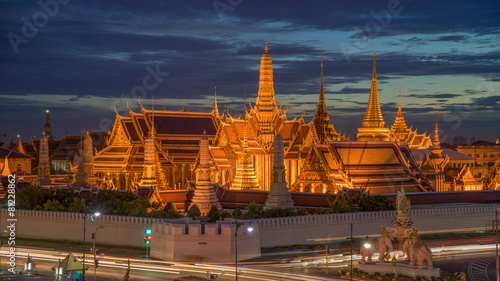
<point>213,214</point>
<point>194,212</point>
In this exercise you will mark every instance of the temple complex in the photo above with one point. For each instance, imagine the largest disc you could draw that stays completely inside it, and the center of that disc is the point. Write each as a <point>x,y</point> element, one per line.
<point>242,148</point>
<point>152,151</point>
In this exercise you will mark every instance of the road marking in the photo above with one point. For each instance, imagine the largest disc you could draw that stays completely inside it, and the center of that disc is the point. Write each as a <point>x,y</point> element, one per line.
<point>478,269</point>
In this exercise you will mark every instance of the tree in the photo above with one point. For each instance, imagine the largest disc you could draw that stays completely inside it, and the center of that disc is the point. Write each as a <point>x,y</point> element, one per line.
<point>253,211</point>
<point>213,214</point>
<point>29,197</point>
<point>53,205</point>
<point>237,213</point>
<point>74,204</point>
<point>170,206</point>
<point>320,211</point>
<point>302,212</point>
<point>375,203</point>
<point>194,212</point>
<point>225,214</point>
<point>278,212</point>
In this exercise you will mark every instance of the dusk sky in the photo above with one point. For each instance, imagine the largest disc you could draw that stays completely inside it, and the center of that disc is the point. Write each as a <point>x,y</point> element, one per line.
<point>79,58</point>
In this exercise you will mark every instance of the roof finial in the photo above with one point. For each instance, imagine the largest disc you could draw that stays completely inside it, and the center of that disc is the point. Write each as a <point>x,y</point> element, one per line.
<point>153,117</point>
<point>436,117</point>
<point>399,108</point>
<point>216,109</point>
<point>265,48</point>
<point>321,90</point>
<point>374,75</point>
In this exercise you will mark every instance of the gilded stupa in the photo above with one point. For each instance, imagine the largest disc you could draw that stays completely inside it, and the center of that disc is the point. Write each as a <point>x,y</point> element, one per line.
<point>245,177</point>
<point>204,194</point>
<point>265,112</point>
<point>373,124</point>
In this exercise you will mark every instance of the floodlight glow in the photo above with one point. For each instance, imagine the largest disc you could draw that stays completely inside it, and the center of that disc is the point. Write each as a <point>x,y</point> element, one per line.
<point>250,229</point>
<point>367,245</point>
<point>97,214</point>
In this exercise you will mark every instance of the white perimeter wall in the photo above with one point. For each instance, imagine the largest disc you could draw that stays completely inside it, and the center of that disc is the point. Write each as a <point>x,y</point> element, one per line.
<point>171,242</point>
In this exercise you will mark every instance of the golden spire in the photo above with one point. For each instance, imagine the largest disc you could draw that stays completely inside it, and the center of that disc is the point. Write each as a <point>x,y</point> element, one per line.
<point>399,128</point>
<point>216,110</point>
<point>321,105</point>
<point>153,130</point>
<point>373,117</point>
<point>436,144</point>
<point>265,99</point>
<point>324,129</point>
<point>400,112</point>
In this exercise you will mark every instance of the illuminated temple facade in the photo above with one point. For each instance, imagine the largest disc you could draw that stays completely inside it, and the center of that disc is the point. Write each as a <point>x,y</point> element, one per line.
<point>316,157</point>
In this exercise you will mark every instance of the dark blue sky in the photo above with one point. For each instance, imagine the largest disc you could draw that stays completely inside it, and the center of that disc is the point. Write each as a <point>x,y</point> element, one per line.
<point>78,58</point>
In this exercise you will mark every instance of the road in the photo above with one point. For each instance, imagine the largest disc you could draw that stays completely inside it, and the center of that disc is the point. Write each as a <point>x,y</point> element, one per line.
<point>113,268</point>
<point>476,260</point>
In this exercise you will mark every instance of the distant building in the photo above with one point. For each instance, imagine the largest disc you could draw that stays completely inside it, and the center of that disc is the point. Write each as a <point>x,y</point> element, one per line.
<point>461,140</point>
<point>12,161</point>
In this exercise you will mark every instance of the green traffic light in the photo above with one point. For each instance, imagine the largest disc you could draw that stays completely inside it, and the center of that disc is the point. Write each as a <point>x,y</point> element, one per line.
<point>149,231</point>
<point>147,242</point>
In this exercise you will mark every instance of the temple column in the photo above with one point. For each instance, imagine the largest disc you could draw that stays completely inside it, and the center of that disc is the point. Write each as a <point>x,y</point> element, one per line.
<point>174,184</point>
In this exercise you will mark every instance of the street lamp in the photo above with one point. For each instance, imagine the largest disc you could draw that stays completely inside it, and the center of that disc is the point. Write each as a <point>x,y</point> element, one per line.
<point>497,209</point>
<point>351,238</point>
<point>250,230</point>
<point>92,216</point>
<point>94,238</point>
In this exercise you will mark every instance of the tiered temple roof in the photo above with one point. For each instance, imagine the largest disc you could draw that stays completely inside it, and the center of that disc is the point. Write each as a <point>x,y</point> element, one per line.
<point>177,140</point>
<point>404,135</point>
<point>380,167</point>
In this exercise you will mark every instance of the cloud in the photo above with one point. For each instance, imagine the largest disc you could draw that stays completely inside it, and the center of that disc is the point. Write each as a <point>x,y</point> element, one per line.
<point>433,96</point>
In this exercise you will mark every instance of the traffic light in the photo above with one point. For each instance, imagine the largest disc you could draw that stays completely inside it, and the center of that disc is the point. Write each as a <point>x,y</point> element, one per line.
<point>147,235</point>
<point>96,263</point>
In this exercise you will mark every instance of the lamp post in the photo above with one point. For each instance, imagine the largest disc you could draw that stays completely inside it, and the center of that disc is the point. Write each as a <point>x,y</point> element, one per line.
<point>351,238</point>
<point>496,243</point>
<point>84,233</point>
<point>249,229</point>
<point>94,249</point>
